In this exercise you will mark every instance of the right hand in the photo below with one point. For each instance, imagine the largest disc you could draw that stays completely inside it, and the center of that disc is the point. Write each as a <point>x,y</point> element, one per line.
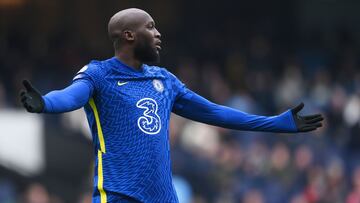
<point>306,123</point>
<point>31,98</point>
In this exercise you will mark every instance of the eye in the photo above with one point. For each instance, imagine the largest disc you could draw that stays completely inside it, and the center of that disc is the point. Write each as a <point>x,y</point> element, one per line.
<point>151,26</point>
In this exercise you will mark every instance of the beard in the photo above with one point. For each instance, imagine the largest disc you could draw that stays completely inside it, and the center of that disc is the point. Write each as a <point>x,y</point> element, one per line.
<point>144,52</point>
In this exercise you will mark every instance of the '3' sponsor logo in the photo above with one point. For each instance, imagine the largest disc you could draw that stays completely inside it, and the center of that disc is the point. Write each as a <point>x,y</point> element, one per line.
<point>149,122</point>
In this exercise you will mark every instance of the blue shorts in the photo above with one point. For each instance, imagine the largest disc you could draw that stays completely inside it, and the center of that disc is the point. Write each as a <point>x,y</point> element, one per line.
<point>115,198</point>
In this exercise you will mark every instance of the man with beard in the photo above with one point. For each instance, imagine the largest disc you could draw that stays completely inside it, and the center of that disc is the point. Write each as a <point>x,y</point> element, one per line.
<point>128,106</point>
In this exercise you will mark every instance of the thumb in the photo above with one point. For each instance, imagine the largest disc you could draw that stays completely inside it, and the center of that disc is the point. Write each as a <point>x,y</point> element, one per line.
<point>28,86</point>
<point>298,108</point>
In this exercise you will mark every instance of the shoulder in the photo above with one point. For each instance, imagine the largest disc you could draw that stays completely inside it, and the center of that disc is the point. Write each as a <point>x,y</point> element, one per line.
<point>94,67</point>
<point>98,66</point>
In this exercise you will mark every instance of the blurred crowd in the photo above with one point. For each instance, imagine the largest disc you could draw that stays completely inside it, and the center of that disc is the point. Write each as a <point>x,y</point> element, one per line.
<point>222,165</point>
<point>258,73</point>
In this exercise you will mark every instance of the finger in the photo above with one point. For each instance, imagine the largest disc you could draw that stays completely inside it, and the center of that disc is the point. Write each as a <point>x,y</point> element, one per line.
<point>23,99</point>
<point>28,85</point>
<point>26,105</point>
<point>297,108</point>
<point>22,92</point>
<point>30,108</point>
<point>317,125</point>
<point>312,116</point>
<point>314,120</point>
<point>308,128</point>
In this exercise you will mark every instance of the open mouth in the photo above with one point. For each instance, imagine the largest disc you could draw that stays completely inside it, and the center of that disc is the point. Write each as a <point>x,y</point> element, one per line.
<point>158,45</point>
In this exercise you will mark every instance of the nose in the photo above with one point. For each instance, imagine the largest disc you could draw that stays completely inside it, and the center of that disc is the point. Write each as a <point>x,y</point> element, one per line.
<point>157,34</point>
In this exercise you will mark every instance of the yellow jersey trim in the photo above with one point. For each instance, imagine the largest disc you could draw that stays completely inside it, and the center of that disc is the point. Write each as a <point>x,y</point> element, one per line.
<point>100,184</point>
<point>98,125</point>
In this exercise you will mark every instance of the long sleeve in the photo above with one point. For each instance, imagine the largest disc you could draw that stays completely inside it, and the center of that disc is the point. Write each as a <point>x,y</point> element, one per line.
<point>197,108</point>
<point>70,98</point>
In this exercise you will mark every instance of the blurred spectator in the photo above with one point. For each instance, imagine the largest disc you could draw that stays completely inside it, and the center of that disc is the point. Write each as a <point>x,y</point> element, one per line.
<point>36,193</point>
<point>354,195</point>
<point>85,197</point>
<point>281,169</point>
<point>352,111</point>
<point>253,196</point>
<point>183,189</point>
<point>290,88</point>
<point>298,199</point>
<point>314,191</point>
<point>7,191</point>
<point>335,178</point>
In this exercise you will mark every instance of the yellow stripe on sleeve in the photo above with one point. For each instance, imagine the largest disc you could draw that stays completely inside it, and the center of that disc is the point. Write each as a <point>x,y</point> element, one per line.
<point>100,183</point>
<point>98,125</point>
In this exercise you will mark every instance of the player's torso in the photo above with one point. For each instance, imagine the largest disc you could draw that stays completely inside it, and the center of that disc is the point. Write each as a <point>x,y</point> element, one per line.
<point>134,113</point>
<point>133,110</point>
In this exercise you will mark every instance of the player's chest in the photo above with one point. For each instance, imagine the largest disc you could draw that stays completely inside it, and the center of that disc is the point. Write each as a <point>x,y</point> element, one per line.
<point>134,93</point>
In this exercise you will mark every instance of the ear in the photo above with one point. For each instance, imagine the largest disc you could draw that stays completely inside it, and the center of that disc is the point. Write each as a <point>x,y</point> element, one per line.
<point>129,35</point>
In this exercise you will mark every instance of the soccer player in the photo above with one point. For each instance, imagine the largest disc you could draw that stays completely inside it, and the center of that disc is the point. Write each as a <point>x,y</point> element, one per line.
<point>128,105</point>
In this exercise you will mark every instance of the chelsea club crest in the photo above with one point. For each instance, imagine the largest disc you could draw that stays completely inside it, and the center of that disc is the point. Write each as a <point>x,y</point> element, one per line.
<point>158,85</point>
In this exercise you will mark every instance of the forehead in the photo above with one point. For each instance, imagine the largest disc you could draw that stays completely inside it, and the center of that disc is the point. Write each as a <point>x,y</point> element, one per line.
<point>144,18</point>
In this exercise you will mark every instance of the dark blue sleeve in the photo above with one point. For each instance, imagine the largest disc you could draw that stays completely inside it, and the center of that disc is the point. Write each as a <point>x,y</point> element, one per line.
<point>71,98</point>
<point>195,107</point>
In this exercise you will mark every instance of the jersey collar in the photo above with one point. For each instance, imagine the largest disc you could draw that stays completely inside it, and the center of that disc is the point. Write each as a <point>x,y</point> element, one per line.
<point>128,72</point>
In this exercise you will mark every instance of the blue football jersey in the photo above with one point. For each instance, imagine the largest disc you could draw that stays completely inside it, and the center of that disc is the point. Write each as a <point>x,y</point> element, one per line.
<point>129,115</point>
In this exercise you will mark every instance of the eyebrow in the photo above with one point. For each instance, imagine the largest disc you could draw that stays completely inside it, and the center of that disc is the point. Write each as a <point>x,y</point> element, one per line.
<point>151,22</point>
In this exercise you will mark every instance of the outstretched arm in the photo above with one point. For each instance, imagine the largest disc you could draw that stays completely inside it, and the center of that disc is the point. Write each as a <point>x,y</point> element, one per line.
<point>59,101</point>
<point>197,108</point>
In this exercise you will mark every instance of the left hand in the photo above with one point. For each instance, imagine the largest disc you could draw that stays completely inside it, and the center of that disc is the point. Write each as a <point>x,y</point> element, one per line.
<point>31,98</point>
<point>306,123</point>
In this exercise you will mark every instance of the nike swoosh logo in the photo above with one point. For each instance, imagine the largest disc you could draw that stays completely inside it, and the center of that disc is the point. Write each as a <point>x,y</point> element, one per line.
<point>121,83</point>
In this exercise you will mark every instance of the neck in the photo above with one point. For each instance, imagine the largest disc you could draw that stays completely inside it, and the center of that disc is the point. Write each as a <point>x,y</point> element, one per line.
<point>129,60</point>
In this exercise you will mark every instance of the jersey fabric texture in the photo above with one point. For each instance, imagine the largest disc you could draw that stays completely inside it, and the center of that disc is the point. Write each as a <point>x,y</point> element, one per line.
<point>114,198</point>
<point>128,113</point>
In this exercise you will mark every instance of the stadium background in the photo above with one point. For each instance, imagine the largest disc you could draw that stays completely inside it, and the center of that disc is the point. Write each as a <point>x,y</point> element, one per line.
<point>258,56</point>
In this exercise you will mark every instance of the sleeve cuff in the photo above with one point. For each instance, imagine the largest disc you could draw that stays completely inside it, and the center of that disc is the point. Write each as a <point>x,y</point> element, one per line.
<point>47,105</point>
<point>286,122</point>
